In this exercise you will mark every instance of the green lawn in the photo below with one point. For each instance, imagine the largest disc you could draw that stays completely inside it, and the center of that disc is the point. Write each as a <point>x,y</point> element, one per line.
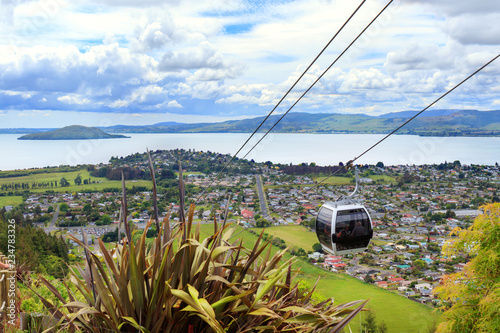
<point>10,201</point>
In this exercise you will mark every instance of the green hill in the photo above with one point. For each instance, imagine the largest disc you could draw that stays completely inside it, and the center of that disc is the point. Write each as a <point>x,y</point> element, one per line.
<point>74,132</point>
<point>433,123</point>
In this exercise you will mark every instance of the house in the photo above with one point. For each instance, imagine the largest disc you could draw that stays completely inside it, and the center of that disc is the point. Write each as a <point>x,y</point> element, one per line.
<point>247,214</point>
<point>422,286</point>
<point>396,280</point>
<point>409,293</point>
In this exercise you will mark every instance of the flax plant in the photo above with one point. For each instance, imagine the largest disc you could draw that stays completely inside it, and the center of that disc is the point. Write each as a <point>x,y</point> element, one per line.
<point>182,283</point>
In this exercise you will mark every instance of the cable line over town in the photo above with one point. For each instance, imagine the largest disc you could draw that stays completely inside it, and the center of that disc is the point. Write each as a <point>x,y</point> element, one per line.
<point>351,162</point>
<point>319,78</point>
<point>286,94</point>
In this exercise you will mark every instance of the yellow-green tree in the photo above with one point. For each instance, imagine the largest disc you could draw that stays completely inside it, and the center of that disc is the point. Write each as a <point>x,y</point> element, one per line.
<point>472,296</point>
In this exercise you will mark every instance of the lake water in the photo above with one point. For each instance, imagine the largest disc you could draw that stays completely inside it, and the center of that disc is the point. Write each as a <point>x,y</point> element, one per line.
<point>323,149</point>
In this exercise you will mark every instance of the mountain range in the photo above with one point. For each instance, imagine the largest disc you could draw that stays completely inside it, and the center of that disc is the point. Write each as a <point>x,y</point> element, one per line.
<point>435,122</point>
<point>429,123</point>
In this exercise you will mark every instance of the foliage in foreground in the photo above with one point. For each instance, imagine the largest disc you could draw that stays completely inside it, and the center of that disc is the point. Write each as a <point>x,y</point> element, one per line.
<point>182,284</point>
<point>473,295</point>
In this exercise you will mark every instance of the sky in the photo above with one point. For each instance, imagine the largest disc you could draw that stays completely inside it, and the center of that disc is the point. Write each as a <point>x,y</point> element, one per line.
<point>109,62</point>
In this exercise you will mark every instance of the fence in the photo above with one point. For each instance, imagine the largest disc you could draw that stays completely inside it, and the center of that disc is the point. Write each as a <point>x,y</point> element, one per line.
<point>5,290</point>
<point>33,322</point>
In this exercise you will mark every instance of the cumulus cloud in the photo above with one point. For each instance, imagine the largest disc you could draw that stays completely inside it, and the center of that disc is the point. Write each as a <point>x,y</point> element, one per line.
<point>475,28</point>
<point>238,57</point>
<point>459,7</point>
<point>205,55</point>
<point>74,99</point>
<point>174,104</point>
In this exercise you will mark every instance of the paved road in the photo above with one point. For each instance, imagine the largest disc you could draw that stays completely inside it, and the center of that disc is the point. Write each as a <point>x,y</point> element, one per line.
<point>52,225</point>
<point>262,198</point>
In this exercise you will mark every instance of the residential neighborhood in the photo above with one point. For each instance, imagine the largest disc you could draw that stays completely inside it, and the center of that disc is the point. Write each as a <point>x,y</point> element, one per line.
<point>413,208</point>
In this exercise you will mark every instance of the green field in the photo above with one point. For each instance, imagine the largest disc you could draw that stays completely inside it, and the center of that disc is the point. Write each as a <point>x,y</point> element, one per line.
<point>10,201</point>
<point>400,314</point>
<point>293,235</point>
<point>334,180</point>
<point>347,181</point>
<point>384,178</point>
<point>100,183</point>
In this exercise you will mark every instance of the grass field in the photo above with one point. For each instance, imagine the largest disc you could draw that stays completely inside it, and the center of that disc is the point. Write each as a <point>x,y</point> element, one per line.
<point>384,178</point>
<point>334,180</point>
<point>400,314</point>
<point>347,181</point>
<point>100,183</point>
<point>293,235</point>
<point>10,201</point>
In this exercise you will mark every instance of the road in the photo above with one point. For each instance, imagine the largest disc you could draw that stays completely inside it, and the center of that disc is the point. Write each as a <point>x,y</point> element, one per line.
<point>262,198</point>
<point>52,224</point>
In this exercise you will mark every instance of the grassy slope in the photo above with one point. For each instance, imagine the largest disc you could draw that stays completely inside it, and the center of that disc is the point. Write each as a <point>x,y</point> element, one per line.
<point>293,235</point>
<point>399,313</point>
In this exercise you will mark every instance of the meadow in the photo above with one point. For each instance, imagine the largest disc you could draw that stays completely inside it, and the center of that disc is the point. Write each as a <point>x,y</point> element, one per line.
<point>97,183</point>
<point>13,200</point>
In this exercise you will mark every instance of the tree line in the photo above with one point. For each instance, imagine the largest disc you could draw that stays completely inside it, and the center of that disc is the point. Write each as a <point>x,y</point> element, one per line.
<point>312,168</point>
<point>34,249</point>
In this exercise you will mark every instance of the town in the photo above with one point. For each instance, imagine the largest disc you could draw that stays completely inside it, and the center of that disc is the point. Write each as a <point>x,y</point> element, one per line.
<point>413,208</point>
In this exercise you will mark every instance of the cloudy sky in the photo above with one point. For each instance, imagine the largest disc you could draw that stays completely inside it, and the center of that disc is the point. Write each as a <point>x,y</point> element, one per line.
<point>107,62</point>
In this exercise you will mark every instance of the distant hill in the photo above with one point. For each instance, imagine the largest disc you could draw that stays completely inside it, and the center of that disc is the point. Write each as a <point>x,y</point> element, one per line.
<point>432,122</point>
<point>74,132</point>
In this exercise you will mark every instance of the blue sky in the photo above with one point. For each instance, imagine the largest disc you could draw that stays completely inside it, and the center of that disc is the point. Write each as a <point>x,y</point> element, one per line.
<point>111,62</point>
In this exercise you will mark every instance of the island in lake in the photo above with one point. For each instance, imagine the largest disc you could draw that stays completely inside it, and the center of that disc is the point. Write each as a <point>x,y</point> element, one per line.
<point>74,132</point>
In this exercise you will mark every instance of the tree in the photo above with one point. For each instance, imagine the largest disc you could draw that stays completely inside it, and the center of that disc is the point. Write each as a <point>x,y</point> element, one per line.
<point>382,327</point>
<point>472,295</point>
<point>37,210</point>
<point>420,264</point>
<point>87,209</point>
<point>63,182</point>
<point>370,324</point>
<point>167,174</point>
<point>379,165</point>
<point>78,180</point>
<point>64,207</point>
<point>317,247</point>
<point>105,219</point>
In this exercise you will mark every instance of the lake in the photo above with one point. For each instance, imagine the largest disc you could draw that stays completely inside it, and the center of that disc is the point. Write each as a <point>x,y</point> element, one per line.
<point>323,149</point>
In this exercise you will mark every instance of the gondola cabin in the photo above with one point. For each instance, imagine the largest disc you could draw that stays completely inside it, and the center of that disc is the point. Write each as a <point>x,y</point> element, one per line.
<point>344,227</point>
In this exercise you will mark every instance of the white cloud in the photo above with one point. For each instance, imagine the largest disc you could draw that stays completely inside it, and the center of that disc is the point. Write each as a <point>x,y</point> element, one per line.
<point>174,104</point>
<point>74,99</point>
<point>242,55</point>
<point>23,94</point>
<point>475,28</point>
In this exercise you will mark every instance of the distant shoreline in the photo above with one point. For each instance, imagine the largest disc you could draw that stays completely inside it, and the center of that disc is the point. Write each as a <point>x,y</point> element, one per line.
<point>121,136</point>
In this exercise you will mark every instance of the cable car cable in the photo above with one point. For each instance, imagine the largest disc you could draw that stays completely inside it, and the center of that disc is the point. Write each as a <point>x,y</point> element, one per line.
<point>415,116</point>
<point>281,100</point>
<point>316,81</point>
<point>349,163</point>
